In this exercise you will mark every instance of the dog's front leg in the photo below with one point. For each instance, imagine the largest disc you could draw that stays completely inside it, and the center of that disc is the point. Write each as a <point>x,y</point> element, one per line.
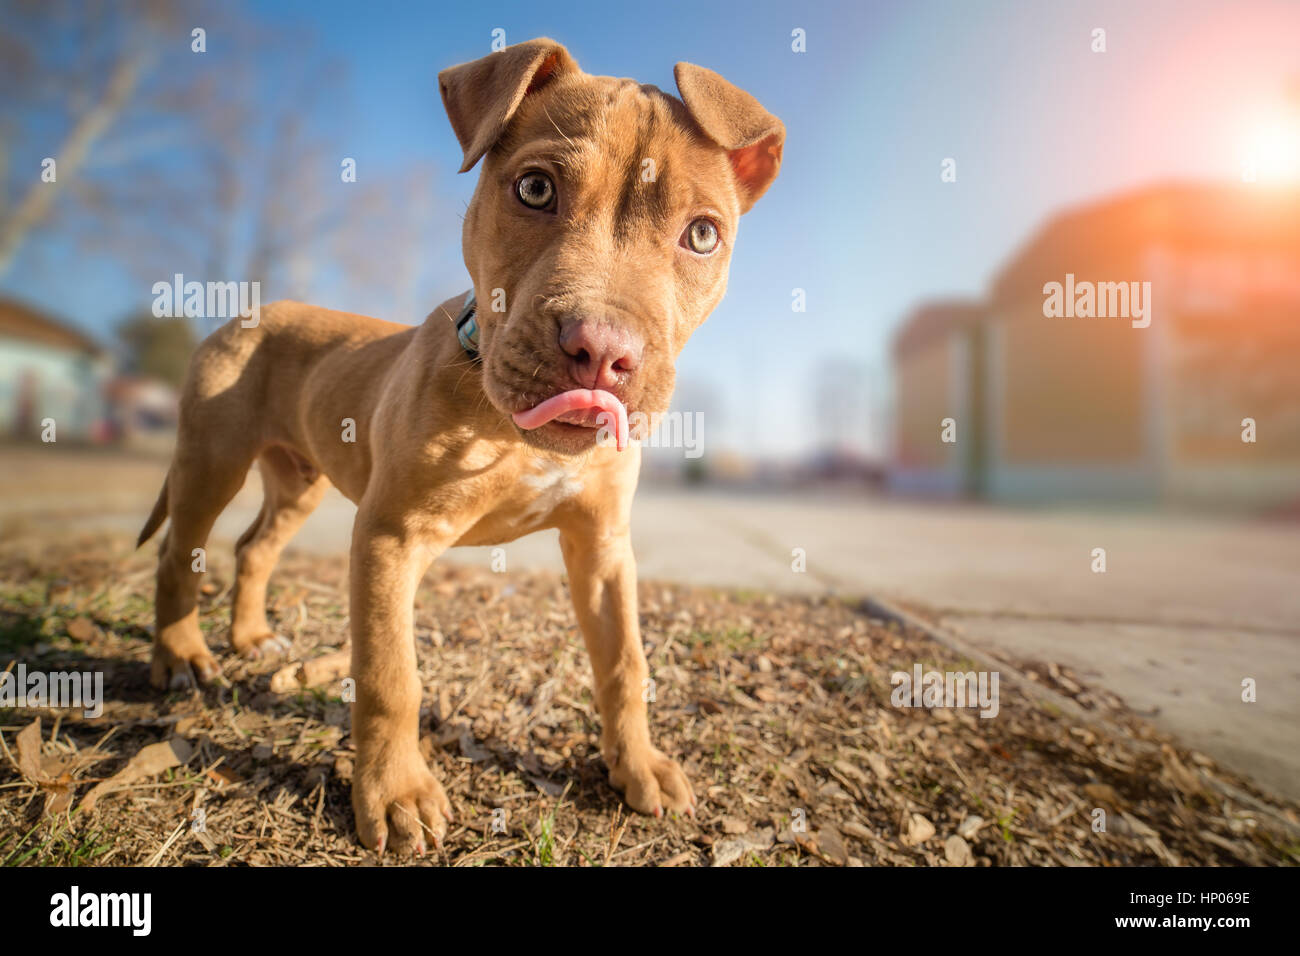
<point>393,791</point>
<point>602,579</point>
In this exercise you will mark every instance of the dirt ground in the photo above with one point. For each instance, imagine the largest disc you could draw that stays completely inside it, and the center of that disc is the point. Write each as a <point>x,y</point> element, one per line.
<point>779,708</point>
<point>1190,606</point>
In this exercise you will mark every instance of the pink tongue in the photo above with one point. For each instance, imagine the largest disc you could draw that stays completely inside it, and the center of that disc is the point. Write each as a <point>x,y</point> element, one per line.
<point>579,400</point>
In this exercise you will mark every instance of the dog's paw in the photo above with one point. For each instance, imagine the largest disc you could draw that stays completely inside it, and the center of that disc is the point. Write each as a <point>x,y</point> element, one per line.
<point>183,668</point>
<point>265,645</point>
<point>400,804</point>
<point>652,783</point>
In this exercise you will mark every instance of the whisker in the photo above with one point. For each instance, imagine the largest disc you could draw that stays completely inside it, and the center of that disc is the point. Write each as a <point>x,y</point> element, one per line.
<point>557,128</point>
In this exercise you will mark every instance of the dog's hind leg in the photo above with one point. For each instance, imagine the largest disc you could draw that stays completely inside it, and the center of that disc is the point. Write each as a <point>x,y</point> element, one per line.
<point>200,484</point>
<point>292,491</point>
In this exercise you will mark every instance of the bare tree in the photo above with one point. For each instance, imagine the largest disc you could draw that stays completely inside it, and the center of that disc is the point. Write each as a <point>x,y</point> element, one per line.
<point>95,88</point>
<point>224,162</point>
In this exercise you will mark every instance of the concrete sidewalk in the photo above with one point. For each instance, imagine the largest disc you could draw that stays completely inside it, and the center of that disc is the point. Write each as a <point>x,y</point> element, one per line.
<point>1186,610</point>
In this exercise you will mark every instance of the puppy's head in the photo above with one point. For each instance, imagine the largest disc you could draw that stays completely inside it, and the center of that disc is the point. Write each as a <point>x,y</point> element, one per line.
<point>601,231</point>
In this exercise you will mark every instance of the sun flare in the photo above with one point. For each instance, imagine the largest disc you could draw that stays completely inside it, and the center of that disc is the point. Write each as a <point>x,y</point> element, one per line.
<point>1271,153</point>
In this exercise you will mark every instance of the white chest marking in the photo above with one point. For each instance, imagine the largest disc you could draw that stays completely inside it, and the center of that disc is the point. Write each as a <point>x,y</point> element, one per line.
<point>550,484</point>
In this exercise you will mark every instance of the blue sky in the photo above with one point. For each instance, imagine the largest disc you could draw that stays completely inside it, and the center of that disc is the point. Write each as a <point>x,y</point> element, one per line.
<point>859,218</point>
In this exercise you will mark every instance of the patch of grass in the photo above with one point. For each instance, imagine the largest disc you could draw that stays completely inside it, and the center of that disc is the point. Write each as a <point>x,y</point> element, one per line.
<point>853,685</point>
<point>730,639</point>
<point>20,630</point>
<point>30,594</point>
<point>545,849</point>
<point>63,847</point>
<point>1005,822</point>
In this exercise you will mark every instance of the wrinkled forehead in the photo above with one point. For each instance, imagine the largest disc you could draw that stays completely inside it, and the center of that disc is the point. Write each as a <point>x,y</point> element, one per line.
<point>610,136</point>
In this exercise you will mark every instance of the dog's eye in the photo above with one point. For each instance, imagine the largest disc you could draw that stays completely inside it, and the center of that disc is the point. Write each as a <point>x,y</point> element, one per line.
<point>536,191</point>
<point>701,236</point>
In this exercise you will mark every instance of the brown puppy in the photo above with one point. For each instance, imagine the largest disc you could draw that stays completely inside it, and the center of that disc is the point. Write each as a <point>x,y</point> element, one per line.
<point>597,241</point>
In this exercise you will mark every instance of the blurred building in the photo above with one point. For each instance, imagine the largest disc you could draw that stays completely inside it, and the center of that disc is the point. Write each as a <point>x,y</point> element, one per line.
<point>937,365</point>
<point>49,370</point>
<point>143,412</point>
<point>1054,408</point>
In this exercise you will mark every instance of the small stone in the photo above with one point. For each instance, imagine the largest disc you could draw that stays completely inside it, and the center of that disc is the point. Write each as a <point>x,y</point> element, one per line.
<point>918,830</point>
<point>957,852</point>
<point>733,826</point>
<point>969,827</point>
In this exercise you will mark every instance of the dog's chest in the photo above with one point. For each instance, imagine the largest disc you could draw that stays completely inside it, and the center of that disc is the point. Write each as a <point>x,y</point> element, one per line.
<point>527,503</point>
<point>546,487</point>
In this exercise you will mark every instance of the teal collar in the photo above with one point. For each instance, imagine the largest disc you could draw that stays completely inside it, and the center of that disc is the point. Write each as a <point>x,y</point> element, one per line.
<point>467,326</point>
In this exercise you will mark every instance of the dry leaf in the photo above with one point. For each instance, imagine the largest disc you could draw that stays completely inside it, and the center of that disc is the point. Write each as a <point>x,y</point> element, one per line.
<point>846,768</point>
<point>1102,793</point>
<point>729,851</point>
<point>151,760</point>
<point>856,830</point>
<point>831,845</point>
<point>82,629</point>
<point>879,766</point>
<point>223,777</point>
<point>29,751</point>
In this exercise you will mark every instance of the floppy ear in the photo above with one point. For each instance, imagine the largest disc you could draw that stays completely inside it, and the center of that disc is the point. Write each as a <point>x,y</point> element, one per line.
<point>482,95</point>
<point>752,137</point>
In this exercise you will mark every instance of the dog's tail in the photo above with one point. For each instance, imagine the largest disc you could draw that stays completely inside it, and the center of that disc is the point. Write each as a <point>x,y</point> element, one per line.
<point>156,517</point>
